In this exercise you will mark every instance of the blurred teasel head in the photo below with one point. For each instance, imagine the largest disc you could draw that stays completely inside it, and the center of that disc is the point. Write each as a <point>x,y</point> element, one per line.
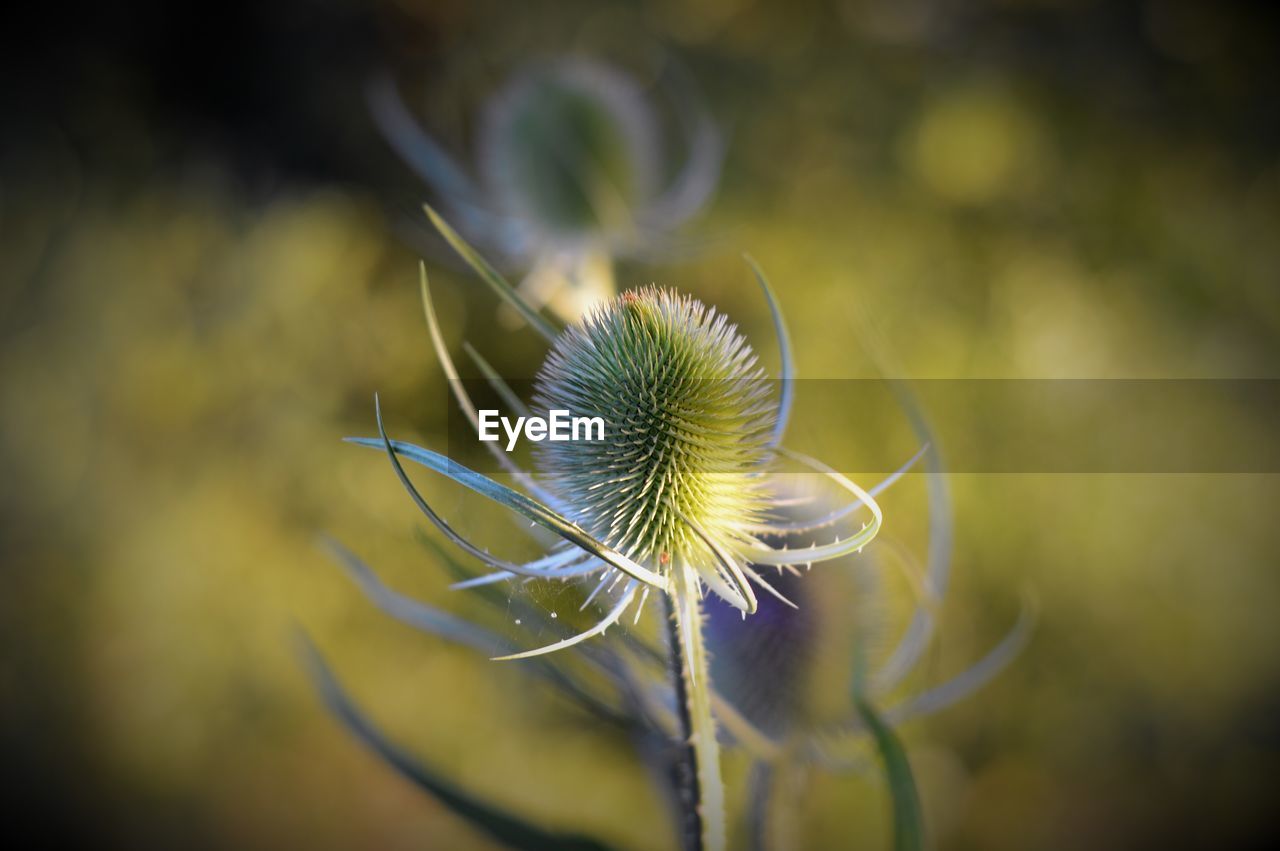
<point>571,149</point>
<point>570,171</point>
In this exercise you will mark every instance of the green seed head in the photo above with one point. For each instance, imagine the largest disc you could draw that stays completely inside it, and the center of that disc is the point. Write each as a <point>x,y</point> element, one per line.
<point>687,416</point>
<point>571,147</point>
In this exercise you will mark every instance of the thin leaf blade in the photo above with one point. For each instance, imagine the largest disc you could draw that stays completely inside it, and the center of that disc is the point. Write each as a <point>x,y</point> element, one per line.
<point>490,276</point>
<point>500,825</point>
<point>786,356</point>
<point>908,822</point>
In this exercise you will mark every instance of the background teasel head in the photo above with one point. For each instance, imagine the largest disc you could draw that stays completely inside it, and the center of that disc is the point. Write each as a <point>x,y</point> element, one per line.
<point>570,148</point>
<point>571,171</point>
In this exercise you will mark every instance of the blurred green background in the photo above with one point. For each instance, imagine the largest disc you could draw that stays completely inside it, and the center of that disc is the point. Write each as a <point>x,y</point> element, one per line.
<point>205,275</point>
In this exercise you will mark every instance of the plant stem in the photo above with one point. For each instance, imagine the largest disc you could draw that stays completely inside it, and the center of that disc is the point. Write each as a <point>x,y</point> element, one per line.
<point>704,821</point>
<point>684,770</point>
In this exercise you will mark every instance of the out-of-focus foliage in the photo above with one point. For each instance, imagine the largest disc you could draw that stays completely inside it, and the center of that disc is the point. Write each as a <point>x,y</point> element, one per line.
<point>193,310</point>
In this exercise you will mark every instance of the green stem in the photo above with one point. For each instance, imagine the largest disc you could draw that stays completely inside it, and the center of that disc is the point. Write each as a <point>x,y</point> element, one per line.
<point>684,770</point>
<point>693,686</point>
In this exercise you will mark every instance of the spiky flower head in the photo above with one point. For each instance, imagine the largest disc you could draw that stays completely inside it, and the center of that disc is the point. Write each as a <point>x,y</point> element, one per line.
<point>573,168</point>
<point>688,416</point>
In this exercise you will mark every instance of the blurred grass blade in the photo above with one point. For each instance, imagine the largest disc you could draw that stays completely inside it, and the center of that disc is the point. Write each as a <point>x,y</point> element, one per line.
<point>409,611</point>
<point>533,615</point>
<point>697,178</point>
<point>977,676</point>
<point>787,361</point>
<point>504,827</point>
<point>491,277</point>
<point>435,622</point>
<point>422,153</point>
<point>908,824</point>
<point>941,532</point>
<point>496,381</point>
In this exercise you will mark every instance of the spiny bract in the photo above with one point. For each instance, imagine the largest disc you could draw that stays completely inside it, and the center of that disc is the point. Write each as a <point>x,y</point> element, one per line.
<point>680,492</point>
<point>688,415</point>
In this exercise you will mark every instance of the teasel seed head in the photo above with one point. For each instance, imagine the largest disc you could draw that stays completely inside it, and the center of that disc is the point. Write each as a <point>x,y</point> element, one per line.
<point>688,416</point>
<point>571,146</point>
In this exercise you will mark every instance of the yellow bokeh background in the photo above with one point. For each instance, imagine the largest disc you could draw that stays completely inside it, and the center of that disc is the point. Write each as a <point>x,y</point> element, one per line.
<point>183,350</point>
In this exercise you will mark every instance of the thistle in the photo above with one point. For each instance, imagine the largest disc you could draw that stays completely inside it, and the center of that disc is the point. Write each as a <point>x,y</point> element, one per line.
<point>685,495</point>
<point>569,172</point>
<point>681,485</point>
<point>677,498</point>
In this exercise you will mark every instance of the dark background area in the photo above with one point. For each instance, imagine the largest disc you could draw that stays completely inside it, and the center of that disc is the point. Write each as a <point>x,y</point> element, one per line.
<point>272,87</point>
